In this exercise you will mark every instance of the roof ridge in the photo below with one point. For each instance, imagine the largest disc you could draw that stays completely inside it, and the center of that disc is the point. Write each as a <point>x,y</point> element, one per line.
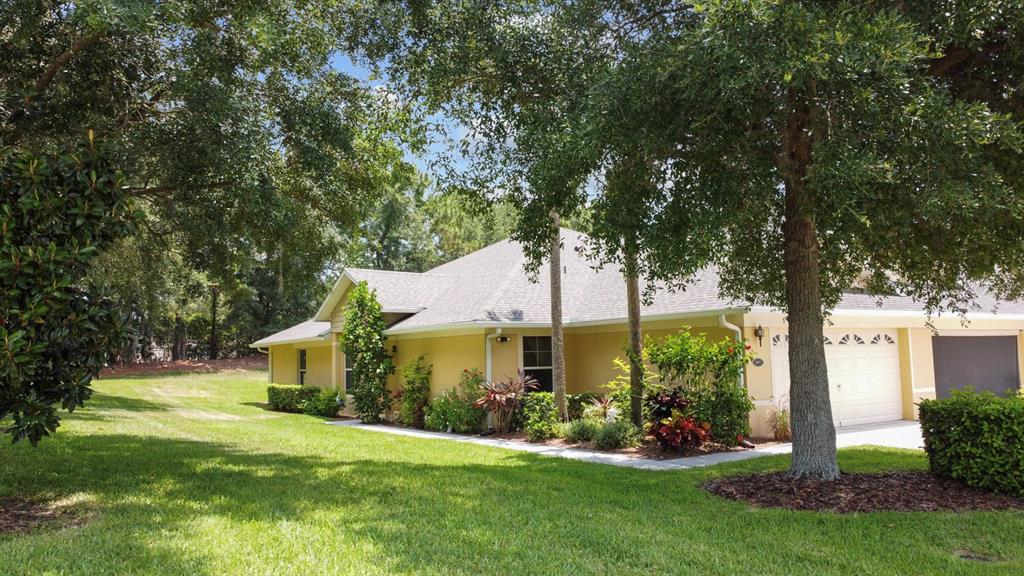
<point>427,274</point>
<point>468,255</point>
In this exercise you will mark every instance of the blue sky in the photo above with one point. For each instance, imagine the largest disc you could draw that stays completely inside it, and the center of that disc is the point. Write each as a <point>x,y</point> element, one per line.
<point>344,63</point>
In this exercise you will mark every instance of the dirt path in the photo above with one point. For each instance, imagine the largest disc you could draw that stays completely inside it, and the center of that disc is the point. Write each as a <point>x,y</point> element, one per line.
<point>258,362</point>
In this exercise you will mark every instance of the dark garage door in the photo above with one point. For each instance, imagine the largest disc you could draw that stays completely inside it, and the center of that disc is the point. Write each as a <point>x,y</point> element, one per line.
<point>984,362</point>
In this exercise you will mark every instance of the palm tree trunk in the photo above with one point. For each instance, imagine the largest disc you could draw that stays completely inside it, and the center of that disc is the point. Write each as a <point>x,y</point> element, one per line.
<point>636,352</point>
<point>557,336</point>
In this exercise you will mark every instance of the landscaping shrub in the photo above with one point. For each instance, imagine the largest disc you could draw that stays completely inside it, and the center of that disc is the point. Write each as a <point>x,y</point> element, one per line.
<point>415,393</point>
<point>664,402</point>
<point>363,341</point>
<point>455,410</point>
<point>604,409</point>
<point>977,439</point>
<point>540,416</point>
<point>503,399</point>
<point>577,403</point>
<point>778,419</point>
<point>324,403</point>
<point>581,430</point>
<point>290,397</point>
<point>680,433</point>
<point>615,435</point>
<point>703,383</point>
<point>727,407</point>
<point>620,390</point>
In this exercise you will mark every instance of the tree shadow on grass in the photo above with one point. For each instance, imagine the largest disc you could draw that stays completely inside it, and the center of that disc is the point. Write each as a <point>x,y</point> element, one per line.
<point>103,407</point>
<point>420,516</point>
<point>508,514</point>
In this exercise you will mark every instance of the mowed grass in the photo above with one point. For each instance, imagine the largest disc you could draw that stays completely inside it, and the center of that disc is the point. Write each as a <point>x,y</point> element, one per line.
<point>188,475</point>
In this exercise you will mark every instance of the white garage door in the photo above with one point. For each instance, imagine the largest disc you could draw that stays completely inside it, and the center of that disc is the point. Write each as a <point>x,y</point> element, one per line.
<point>863,374</point>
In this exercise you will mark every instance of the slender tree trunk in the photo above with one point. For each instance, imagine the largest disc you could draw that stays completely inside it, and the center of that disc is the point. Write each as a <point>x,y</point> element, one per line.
<point>178,350</point>
<point>213,322</point>
<point>557,336</point>
<point>636,352</point>
<point>814,435</point>
<point>280,272</point>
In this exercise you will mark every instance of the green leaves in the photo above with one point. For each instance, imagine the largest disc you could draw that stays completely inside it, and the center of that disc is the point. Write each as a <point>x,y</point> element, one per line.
<point>56,331</point>
<point>977,439</point>
<point>234,129</point>
<point>363,342</point>
<point>415,393</point>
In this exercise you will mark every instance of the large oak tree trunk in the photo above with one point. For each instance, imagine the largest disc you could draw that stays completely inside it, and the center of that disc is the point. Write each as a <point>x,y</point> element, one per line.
<point>557,337</point>
<point>814,435</point>
<point>636,355</point>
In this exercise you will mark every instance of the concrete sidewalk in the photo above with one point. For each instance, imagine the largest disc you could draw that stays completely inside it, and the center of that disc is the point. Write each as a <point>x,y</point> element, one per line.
<point>891,434</point>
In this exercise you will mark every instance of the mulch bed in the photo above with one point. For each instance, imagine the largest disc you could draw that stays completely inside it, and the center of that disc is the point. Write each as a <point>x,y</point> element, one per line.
<point>648,449</point>
<point>18,515</point>
<point>893,491</point>
<point>185,366</point>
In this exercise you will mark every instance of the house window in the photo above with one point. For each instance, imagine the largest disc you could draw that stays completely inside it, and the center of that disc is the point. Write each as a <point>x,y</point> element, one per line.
<point>302,367</point>
<point>348,372</point>
<point>537,360</point>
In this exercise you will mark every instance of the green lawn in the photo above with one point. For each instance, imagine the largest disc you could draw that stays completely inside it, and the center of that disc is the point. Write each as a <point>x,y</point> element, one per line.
<point>187,475</point>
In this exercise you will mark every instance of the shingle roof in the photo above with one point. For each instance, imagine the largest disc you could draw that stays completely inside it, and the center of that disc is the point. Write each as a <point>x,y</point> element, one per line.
<point>301,332</point>
<point>491,286</point>
<point>986,303</point>
<point>401,291</point>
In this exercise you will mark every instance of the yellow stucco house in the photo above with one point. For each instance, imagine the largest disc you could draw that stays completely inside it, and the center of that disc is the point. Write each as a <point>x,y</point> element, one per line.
<point>482,311</point>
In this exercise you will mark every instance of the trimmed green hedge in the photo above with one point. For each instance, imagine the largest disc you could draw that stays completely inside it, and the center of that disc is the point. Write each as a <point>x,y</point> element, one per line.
<point>977,439</point>
<point>540,416</point>
<point>290,397</point>
<point>325,403</point>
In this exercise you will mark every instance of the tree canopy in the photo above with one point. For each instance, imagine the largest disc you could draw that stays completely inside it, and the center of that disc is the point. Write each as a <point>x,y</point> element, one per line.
<point>247,153</point>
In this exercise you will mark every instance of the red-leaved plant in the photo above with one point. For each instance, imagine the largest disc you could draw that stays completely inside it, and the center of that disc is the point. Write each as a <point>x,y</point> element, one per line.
<point>679,433</point>
<point>503,397</point>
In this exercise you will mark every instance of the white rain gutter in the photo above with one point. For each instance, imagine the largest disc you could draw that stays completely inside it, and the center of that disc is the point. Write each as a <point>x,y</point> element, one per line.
<point>739,338</point>
<point>487,354</point>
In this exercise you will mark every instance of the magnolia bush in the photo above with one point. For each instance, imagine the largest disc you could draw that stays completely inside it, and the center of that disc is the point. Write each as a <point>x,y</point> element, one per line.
<point>363,341</point>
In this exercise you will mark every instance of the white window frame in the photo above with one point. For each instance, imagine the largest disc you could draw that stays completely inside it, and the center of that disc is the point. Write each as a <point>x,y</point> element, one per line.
<point>347,373</point>
<point>302,362</point>
<point>522,354</point>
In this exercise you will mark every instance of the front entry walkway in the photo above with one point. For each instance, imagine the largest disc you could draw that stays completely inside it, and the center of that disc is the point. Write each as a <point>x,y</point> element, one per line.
<point>901,434</point>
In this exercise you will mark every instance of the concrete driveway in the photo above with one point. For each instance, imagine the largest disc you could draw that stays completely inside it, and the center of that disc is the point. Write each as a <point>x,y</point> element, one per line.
<point>901,434</point>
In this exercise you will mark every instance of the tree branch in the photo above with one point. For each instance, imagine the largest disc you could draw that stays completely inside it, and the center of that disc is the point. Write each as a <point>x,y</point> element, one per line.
<point>158,191</point>
<point>61,61</point>
<point>953,56</point>
<point>630,26</point>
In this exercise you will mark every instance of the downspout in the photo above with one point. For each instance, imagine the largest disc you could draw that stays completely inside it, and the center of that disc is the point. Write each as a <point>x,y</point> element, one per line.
<point>487,354</point>
<point>488,365</point>
<point>270,364</point>
<point>722,322</point>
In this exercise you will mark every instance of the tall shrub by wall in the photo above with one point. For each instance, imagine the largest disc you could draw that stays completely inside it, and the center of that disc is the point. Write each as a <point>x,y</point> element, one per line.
<point>363,341</point>
<point>707,375</point>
